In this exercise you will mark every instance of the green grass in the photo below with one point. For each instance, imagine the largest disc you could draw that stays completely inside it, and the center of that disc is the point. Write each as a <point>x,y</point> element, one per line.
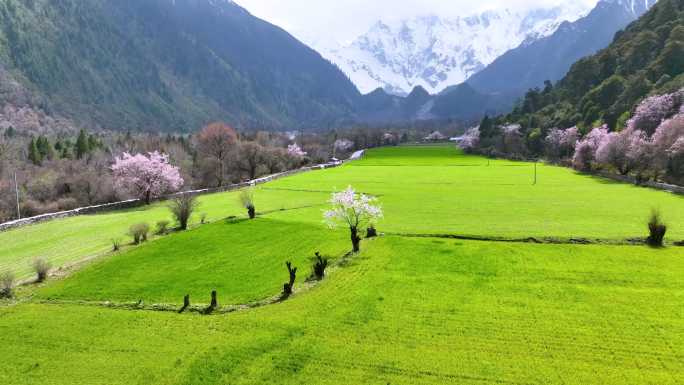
<point>406,311</point>
<point>68,240</point>
<point>456,194</point>
<point>243,261</point>
<point>462,195</point>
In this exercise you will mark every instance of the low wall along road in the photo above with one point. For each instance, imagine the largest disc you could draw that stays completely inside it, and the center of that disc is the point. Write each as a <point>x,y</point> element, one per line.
<point>138,202</point>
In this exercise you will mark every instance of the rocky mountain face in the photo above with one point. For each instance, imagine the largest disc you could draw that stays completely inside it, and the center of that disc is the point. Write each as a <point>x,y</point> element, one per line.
<point>550,58</point>
<point>435,52</point>
<point>496,89</point>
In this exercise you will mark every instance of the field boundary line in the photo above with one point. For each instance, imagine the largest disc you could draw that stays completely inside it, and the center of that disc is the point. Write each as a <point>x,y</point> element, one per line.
<point>306,285</point>
<point>536,240</point>
<point>66,269</point>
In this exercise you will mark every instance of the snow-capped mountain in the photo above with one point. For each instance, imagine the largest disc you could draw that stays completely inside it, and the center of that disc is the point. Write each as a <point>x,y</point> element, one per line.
<point>436,52</point>
<point>551,57</point>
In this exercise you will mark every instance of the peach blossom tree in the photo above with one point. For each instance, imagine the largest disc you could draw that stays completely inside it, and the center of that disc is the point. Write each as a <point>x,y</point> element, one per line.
<point>354,210</point>
<point>146,176</point>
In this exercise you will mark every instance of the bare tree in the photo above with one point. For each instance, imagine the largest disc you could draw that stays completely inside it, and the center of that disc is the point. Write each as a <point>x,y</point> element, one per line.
<point>251,157</point>
<point>275,159</point>
<point>216,141</point>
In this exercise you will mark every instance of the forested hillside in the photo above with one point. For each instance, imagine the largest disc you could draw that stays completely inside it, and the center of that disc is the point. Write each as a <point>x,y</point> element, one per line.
<point>646,58</point>
<point>550,58</point>
<point>163,65</point>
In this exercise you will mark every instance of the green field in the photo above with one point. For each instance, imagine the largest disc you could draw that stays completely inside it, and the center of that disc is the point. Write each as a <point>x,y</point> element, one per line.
<point>243,261</point>
<point>406,310</point>
<point>73,239</point>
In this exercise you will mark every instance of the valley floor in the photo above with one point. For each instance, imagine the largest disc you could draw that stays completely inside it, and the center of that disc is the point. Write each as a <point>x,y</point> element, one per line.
<point>406,310</point>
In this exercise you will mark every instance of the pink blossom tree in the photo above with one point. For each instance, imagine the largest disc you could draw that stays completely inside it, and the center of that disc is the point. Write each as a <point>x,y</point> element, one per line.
<point>585,149</point>
<point>470,140</point>
<point>343,145</point>
<point>639,152</point>
<point>625,151</point>
<point>295,151</point>
<point>653,110</point>
<point>667,146</point>
<point>569,138</point>
<point>561,143</point>
<point>353,210</point>
<point>146,176</point>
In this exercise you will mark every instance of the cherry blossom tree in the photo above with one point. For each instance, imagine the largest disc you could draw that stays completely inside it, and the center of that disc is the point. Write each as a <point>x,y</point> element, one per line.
<point>470,140</point>
<point>343,145</point>
<point>668,140</point>
<point>654,110</point>
<point>625,150</point>
<point>295,151</point>
<point>676,160</point>
<point>146,176</point>
<point>561,143</point>
<point>585,149</point>
<point>354,210</point>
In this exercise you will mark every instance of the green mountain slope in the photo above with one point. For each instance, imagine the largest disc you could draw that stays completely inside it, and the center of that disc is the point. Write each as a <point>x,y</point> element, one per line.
<point>165,65</point>
<point>646,58</point>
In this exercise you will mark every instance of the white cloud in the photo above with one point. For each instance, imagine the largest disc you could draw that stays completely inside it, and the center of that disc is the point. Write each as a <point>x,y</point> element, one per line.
<point>343,20</point>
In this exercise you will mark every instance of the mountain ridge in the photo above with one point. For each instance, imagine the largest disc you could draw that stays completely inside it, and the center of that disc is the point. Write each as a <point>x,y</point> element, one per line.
<point>435,52</point>
<point>646,58</point>
<point>551,57</point>
<point>166,65</point>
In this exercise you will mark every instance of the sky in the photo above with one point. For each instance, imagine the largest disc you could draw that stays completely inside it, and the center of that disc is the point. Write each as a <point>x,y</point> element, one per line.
<point>344,20</point>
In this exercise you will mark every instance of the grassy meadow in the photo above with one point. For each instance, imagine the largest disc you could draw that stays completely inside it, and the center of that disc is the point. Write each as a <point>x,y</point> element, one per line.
<point>406,310</point>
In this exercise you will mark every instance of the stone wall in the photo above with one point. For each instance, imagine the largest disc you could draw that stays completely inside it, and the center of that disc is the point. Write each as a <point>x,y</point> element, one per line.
<point>138,202</point>
<point>632,180</point>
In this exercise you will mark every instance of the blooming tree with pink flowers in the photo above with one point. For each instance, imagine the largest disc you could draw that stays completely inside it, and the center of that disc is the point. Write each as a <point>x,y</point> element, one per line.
<point>668,147</point>
<point>625,151</point>
<point>354,210</point>
<point>654,110</point>
<point>295,151</point>
<point>585,149</point>
<point>146,176</point>
<point>561,143</point>
<point>470,140</point>
<point>343,145</point>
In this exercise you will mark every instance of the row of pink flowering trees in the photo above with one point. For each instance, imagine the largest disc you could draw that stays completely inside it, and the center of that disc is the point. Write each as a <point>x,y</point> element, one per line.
<point>650,146</point>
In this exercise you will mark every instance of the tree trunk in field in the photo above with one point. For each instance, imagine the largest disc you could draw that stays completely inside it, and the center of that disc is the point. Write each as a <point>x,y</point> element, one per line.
<point>221,172</point>
<point>356,240</point>
<point>289,286</point>
<point>148,197</point>
<point>251,211</point>
<point>186,303</point>
<point>214,301</point>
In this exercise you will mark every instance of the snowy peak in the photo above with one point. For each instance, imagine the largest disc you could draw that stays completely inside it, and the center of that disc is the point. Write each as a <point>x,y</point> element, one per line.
<point>434,52</point>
